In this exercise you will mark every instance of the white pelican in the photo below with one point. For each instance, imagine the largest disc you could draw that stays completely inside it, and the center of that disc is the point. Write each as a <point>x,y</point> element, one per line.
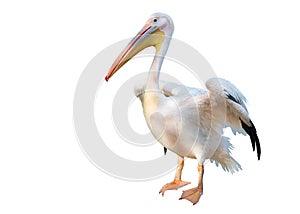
<point>187,121</point>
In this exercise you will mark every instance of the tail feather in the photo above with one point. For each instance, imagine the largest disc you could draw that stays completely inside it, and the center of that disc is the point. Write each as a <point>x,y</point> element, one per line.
<point>222,156</point>
<point>228,164</point>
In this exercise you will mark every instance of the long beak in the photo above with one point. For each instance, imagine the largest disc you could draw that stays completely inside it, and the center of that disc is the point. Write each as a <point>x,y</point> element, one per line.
<point>141,41</point>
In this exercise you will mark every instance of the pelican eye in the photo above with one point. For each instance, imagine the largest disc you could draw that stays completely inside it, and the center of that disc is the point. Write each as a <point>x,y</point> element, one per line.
<point>154,20</point>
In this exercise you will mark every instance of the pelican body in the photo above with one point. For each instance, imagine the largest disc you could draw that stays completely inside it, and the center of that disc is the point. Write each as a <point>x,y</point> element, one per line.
<point>187,121</point>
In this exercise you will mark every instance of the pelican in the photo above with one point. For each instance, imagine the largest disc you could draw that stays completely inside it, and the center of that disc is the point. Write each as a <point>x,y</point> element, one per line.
<point>185,120</point>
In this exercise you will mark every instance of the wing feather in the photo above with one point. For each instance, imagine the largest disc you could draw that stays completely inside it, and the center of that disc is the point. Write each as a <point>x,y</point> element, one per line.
<point>237,116</point>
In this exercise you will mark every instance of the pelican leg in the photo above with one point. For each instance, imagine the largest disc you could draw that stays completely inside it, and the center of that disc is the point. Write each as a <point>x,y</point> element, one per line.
<point>193,195</point>
<point>177,183</point>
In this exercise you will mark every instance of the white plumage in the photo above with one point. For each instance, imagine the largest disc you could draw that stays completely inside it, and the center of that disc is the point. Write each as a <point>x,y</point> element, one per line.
<point>186,120</point>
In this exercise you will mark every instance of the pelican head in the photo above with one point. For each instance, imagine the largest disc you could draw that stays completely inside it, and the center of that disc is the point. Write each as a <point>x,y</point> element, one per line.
<point>157,31</point>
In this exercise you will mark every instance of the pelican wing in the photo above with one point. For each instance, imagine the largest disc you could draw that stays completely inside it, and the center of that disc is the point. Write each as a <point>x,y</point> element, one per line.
<point>237,116</point>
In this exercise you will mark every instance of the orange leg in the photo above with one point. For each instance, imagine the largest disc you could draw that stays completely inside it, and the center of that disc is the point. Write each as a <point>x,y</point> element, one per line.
<point>193,195</point>
<point>177,183</point>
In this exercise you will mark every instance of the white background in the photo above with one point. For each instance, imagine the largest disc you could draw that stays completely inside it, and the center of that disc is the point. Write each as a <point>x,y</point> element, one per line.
<point>44,47</point>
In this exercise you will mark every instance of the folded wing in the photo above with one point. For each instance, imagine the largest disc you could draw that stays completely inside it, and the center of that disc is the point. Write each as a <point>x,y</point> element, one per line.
<point>237,116</point>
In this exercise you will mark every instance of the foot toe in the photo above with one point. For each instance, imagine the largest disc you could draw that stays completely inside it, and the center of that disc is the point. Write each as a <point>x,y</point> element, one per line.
<point>193,195</point>
<point>174,185</point>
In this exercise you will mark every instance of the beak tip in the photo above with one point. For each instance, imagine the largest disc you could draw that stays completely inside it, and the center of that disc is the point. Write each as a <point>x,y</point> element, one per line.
<point>106,78</point>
